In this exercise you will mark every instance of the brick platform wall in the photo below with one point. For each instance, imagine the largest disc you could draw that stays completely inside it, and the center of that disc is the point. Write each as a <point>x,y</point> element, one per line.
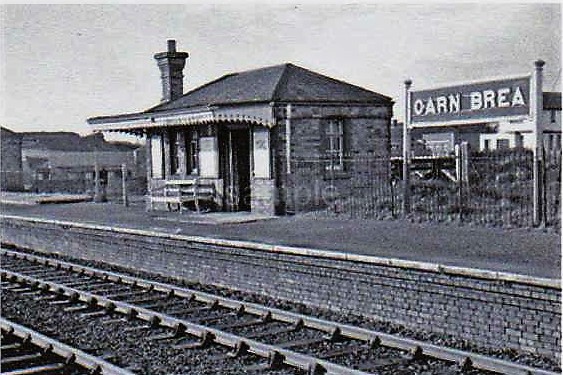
<point>487,308</point>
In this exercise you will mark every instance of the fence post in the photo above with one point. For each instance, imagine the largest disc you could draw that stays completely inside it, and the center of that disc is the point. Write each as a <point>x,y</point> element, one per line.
<point>458,174</point>
<point>406,152</point>
<point>97,184</point>
<point>463,176</point>
<point>124,184</point>
<point>543,190</point>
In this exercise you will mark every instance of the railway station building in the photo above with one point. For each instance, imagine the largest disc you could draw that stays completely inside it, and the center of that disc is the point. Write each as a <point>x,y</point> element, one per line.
<point>232,140</point>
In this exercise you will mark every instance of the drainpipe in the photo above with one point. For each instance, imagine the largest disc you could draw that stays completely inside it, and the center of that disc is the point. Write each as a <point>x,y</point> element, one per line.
<point>288,179</point>
<point>288,137</point>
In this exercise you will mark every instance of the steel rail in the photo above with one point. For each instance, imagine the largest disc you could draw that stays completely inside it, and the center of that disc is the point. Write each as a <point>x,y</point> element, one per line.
<point>270,352</point>
<point>476,360</point>
<point>73,355</point>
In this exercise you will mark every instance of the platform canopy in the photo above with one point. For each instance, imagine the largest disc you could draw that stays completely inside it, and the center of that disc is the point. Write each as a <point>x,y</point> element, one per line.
<point>243,97</point>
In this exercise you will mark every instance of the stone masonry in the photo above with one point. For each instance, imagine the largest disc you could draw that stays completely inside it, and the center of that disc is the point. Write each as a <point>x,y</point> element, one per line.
<point>366,131</point>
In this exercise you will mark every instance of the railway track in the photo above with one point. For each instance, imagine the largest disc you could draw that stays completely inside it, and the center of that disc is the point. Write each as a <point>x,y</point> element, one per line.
<point>25,351</point>
<point>244,337</point>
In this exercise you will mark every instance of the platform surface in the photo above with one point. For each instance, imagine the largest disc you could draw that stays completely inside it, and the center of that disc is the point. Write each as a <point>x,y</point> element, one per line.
<point>533,252</point>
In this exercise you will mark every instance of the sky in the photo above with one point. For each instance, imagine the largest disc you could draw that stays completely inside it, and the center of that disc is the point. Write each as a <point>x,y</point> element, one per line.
<point>61,64</point>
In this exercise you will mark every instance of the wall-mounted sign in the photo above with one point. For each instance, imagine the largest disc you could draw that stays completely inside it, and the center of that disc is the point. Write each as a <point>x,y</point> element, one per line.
<point>261,137</point>
<point>208,157</point>
<point>157,162</point>
<point>476,101</point>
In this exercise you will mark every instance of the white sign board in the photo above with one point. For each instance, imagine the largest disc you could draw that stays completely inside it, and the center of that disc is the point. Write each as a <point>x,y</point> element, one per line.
<point>208,157</point>
<point>261,152</point>
<point>156,155</point>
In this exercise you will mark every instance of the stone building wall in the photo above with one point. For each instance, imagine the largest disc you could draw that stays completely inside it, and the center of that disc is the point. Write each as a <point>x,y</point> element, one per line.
<point>366,132</point>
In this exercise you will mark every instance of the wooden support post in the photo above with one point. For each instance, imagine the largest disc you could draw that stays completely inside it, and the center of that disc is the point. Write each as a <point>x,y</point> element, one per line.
<point>465,163</point>
<point>167,157</point>
<point>97,185</point>
<point>99,190</point>
<point>148,161</point>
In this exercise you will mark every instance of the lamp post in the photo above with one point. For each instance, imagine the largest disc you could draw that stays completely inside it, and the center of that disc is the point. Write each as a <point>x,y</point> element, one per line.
<point>537,109</point>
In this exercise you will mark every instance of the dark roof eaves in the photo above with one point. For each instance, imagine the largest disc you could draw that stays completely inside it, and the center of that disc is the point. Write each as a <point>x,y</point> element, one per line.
<point>147,115</point>
<point>378,103</point>
<point>118,118</point>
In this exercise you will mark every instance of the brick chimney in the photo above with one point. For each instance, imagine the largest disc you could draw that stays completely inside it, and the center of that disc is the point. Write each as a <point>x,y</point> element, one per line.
<point>171,64</point>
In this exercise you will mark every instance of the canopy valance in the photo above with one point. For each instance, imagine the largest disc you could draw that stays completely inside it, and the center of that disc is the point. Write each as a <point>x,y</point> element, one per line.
<point>253,114</point>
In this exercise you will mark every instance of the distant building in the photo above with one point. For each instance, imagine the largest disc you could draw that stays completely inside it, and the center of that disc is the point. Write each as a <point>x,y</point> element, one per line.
<point>510,134</point>
<point>65,162</point>
<point>241,132</point>
<point>11,178</point>
<point>485,135</point>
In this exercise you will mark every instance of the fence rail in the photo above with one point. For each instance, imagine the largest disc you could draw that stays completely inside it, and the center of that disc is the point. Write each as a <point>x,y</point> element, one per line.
<point>492,188</point>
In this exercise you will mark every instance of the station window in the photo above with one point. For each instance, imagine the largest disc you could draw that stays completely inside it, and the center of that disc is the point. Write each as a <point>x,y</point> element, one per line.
<point>192,150</point>
<point>334,144</point>
<point>553,116</point>
<point>174,155</point>
<point>518,140</point>
<point>503,144</point>
<point>486,144</point>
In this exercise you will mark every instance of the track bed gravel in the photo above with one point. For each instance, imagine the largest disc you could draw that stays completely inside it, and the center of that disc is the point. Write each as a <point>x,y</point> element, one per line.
<point>123,342</point>
<point>427,368</point>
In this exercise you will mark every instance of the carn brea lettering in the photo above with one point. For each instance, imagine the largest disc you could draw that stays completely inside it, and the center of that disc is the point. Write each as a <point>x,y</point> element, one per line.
<point>504,97</point>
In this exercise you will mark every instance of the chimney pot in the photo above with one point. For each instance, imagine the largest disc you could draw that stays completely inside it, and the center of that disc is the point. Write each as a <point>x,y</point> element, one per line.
<point>171,45</point>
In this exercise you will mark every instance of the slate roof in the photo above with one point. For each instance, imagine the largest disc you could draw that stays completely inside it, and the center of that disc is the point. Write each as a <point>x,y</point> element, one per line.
<point>278,83</point>
<point>282,83</point>
<point>5,132</point>
<point>552,100</point>
<point>3,129</point>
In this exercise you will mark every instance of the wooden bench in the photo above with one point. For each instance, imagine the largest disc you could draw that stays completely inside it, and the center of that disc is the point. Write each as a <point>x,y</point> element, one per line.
<point>179,192</point>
